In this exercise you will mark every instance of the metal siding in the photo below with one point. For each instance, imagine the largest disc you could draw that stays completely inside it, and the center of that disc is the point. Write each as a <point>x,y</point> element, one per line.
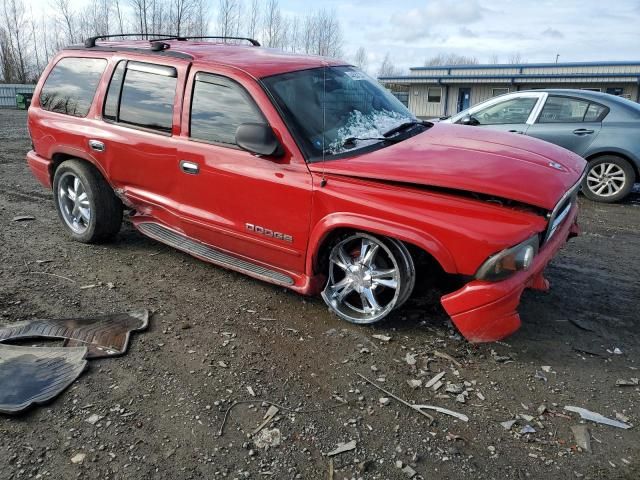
<point>8,92</point>
<point>419,104</point>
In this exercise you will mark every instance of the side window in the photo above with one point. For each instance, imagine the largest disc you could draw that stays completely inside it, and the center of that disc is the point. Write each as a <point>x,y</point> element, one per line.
<point>516,110</point>
<point>563,110</point>
<point>595,113</point>
<point>71,85</point>
<point>113,93</point>
<point>219,105</point>
<point>147,96</point>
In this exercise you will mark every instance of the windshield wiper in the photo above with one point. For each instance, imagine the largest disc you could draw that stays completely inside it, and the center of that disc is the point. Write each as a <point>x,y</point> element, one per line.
<point>404,126</point>
<point>352,142</point>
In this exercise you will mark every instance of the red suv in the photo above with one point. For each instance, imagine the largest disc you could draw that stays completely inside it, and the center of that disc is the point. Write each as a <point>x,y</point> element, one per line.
<point>301,171</point>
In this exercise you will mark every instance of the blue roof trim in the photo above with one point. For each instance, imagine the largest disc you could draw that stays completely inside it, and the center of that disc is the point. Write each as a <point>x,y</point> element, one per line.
<point>513,76</point>
<point>530,65</point>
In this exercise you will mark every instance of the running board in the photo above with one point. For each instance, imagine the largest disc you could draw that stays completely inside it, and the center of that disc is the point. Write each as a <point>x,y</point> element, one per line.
<point>186,244</point>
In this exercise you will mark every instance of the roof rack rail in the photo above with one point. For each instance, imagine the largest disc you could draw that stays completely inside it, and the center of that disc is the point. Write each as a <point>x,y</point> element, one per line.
<point>91,41</point>
<point>182,38</point>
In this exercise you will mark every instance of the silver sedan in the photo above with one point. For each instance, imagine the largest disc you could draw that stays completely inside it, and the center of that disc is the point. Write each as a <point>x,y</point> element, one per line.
<point>602,128</point>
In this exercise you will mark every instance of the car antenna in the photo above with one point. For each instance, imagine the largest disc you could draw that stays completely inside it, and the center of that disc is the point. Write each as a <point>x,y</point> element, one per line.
<point>323,182</point>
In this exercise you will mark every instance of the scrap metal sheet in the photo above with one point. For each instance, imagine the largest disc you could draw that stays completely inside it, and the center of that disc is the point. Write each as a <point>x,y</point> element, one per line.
<point>35,375</point>
<point>104,336</point>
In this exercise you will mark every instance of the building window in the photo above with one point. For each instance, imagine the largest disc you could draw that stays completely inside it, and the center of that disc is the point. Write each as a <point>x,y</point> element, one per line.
<point>592,89</point>
<point>218,108</point>
<point>71,85</point>
<point>495,92</point>
<point>618,91</point>
<point>434,94</point>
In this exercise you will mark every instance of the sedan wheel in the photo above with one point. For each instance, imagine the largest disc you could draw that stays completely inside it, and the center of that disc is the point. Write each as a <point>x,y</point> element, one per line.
<point>609,179</point>
<point>368,278</point>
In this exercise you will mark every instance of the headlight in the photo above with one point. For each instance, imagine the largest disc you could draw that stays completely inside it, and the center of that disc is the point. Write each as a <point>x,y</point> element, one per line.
<point>507,262</point>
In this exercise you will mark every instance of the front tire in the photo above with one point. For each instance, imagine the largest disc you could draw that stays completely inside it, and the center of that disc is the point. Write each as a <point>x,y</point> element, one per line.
<point>85,202</point>
<point>368,277</point>
<point>609,179</point>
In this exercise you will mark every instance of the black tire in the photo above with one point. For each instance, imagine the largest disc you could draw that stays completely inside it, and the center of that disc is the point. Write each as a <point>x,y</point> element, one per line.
<point>590,185</point>
<point>105,209</point>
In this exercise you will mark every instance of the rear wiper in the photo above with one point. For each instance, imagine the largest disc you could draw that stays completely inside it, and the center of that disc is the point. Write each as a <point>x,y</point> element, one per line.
<point>404,126</point>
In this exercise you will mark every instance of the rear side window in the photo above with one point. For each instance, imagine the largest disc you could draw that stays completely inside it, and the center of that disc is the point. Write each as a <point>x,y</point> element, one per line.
<point>218,107</point>
<point>571,110</point>
<point>142,94</point>
<point>71,85</point>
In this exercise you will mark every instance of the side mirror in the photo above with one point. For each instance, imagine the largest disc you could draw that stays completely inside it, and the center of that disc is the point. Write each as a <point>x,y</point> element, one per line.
<point>258,138</point>
<point>469,120</point>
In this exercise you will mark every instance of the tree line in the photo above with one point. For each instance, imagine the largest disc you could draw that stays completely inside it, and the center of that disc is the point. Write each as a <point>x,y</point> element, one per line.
<point>29,41</point>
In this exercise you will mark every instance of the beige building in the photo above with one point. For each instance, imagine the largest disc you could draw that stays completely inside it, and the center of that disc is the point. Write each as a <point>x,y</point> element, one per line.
<point>445,90</point>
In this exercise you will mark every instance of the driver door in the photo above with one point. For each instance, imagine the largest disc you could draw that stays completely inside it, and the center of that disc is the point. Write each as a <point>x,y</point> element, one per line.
<point>248,205</point>
<point>510,114</point>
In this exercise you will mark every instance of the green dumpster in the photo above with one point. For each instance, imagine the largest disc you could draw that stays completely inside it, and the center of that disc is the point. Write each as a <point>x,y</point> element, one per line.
<point>23,100</point>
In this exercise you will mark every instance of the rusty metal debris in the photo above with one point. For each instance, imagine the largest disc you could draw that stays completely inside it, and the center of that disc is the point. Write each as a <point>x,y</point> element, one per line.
<point>104,335</point>
<point>35,375</point>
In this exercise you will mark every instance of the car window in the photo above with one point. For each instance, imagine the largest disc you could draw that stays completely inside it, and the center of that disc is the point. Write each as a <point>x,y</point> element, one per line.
<point>71,85</point>
<point>563,110</point>
<point>147,98</point>
<point>515,110</point>
<point>110,110</point>
<point>595,113</point>
<point>218,107</point>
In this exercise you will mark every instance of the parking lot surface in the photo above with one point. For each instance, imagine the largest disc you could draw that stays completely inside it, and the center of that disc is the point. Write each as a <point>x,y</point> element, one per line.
<point>217,337</point>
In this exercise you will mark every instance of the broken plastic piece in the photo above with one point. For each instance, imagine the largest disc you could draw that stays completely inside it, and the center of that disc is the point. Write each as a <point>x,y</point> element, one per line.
<point>104,335</point>
<point>596,417</point>
<point>342,447</point>
<point>35,375</point>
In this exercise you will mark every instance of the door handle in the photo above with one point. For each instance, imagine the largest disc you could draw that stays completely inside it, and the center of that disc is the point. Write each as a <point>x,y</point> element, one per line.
<point>582,131</point>
<point>192,168</point>
<point>96,145</point>
<point>517,131</point>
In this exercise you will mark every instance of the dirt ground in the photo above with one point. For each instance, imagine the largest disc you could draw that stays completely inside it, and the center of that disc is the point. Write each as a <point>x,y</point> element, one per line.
<point>216,337</point>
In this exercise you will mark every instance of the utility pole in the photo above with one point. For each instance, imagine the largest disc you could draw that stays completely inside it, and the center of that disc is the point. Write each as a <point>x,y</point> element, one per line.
<point>557,57</point>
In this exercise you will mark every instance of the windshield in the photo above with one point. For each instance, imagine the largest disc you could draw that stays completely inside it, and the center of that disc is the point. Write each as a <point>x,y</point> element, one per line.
<point>355,107</point>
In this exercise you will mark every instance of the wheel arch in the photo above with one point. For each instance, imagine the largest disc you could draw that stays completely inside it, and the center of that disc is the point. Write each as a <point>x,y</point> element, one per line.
<point>63,154</point>
<point>616,153</point>
<point>337,224</point>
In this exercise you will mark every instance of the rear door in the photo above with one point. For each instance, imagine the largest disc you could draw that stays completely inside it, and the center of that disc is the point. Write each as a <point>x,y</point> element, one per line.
<point>572,123</point>
<point>255,207</point>
<point>141,116</point>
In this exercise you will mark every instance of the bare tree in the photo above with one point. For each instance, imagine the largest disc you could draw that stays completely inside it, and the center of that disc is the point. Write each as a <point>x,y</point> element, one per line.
<point>140,13</point>
<point>253,19</point>
<point>387,68</point>
<point>494,59</point>
<point>450,59</point>
<point>15,31</point>
<point>65,18</point>
<point>515,58</point>
<point>273,24</point>
<point>229,18</point>
<point>360,59</point>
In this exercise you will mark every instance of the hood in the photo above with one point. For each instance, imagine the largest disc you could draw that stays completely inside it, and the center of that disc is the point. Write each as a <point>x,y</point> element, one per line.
<point>472,159</point>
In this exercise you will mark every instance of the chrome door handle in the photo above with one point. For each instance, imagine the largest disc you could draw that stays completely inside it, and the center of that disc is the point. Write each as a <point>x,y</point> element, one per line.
<point>517,131</point>
<point>97,145</point>
<point>582,131</point>
<point>192,168</point>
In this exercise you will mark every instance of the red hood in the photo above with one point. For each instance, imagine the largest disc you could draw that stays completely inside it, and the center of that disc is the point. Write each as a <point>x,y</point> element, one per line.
<point>473,159</point>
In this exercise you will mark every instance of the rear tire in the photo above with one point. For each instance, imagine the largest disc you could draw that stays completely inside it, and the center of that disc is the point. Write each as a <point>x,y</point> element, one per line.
<point>609,179</point>
<point>85,202</point>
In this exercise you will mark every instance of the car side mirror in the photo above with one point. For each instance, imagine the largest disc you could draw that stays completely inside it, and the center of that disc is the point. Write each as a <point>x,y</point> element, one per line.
<point>258,138</point>
<point>469,120</point>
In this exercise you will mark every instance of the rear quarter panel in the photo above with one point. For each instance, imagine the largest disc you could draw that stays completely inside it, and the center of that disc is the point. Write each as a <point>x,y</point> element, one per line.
<point>618,137</point>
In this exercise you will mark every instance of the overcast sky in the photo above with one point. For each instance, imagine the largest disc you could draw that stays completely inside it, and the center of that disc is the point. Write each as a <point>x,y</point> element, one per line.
<point>413,30</point>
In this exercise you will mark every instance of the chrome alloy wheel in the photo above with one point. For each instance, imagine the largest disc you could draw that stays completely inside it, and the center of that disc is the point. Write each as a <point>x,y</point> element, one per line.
<point>74,203</point>
<point>367,278</point>
<point>606,179</point>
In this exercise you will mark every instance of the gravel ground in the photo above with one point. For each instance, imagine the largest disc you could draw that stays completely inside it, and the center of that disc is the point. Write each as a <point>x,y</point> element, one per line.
<point>217,337</point>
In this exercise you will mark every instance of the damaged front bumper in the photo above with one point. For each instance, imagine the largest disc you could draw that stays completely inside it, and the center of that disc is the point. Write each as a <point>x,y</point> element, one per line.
<point>487,311</point>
